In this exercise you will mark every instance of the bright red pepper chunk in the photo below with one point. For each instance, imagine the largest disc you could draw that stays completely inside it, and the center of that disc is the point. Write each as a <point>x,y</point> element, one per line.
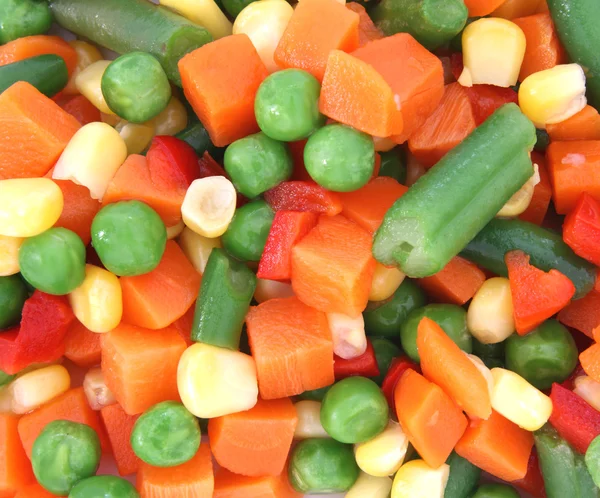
<point>533,482</point>
<point>397,368</point>
<point>209,167</point>
<point>364,365</point>
<point>172,163</point>
<point>303,196</point>
<point>581,230</point>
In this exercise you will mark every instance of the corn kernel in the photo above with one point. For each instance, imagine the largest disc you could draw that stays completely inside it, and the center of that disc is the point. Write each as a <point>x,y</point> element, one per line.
<point>493,51</point>
<point>86,55</point>
<point>172,119</point>
<point>5,399</point>
<point>521,199</point>
<point>36,388</point>
<point>197,248</point>
<point>209,205</point>
<point>383,144</point>
<point>384,454</point>
<point>348,333</point>
<point>9,255</point>
<point>88,82</point>
<point>203,12</point>
<point>216,381</point>
<point>490,316</point>
<point>271,289</point>
<point>28,206</point>
<point>309,420</point>
<point>96,391</point>
<point>367,486</point>
<point>137,137</point>
<point>416,479</point>
<point>517,400</point>
<point>483,370</point>
<point>92,157</point>
<point>175,230</point>
<point>553,95</point>
<point>110,119</point>
<point>588,389</point>
<point>98,301</point>
<point>385,282</point>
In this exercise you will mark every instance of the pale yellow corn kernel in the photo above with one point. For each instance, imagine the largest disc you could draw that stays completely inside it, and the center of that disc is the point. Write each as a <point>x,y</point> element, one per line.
<point>493,51</point>
<point>483,370</point>
<point>517,400</point>
<point>5,399</point>
<point>92,157</point>
<point>203,12</point>
<point>521,199</point>
<point>553,95</point>
<point>9,255</point>
<point>588,389</point>
<point>96,391</point>
<point>348,334</point>
<point>271,289</point>
<point>86,55</point>
<point>383,144</point>
<point>28,206</point>
<point>309,420</point>
<point>197,248</point>
<point>264,22</point>
<point>175,230</point>
<point>98,301</point>
<point>32,390</point>
<point>215,381</point>
<point>111,119</point>
<point>209,205</point>
<point>490,315</point>
<point>416,479</point>
<point>384,454</point>
<point>414,169</point>
<point>367,486</point>
<point>172,119</point>
<point>88,82</point>
<point>137,136</point>
<point>385,282</point>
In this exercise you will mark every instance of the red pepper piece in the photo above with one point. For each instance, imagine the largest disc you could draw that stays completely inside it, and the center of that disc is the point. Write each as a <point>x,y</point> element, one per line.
<point>364,365</point>
<point>303,196</point>
<point>209,167</point>
<point>582,314</point>
<point>297,152</point>
<point>533,482</point>
<point>581,230</point>
<point>40,336</point>
<point>173,164</point>
<point>397,368</point>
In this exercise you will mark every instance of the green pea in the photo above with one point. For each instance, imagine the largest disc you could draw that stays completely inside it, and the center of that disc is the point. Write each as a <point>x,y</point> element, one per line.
<point>340,158</point>
<point>20,18</point>
<point>247,233</point>
<point>104,487</point>
<point>257,163</point>
<point>385,317</point>
<point>129,237</point>
<point>287,105</point>
<point>63,454</point>
<point>234,7</point>
<point>546,355</point>
<point>136,87</point>
<point>488,350</point>
<point>13,294</point>
<point>354,410</point>
<point>166,435</point>
<point>393,164</point>
<point>495,491</point>
<point>315,394</point>
<point>53,261</point>
<point>322,466</point>
<point>592,460</point>
<point>385,352</point>
<point>5,378</point>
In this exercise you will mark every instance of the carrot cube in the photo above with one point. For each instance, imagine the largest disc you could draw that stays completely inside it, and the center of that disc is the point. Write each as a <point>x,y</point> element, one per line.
<point>82,346</point>
<point>79,209</point>
<point>230,485</point>
<point>119,426</point>
<point>34,491</point>
<point>15,469</point>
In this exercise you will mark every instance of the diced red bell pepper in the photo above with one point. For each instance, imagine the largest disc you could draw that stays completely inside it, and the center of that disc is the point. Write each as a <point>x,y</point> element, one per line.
<point>172,163</point>
<point>303,196</point>
<point>574,419</point>
<point>533,482</point>
<point>209,167</point>
<point>397,368</point>
<point>297,152</point>
<point>581,230</point>
<point>582,314</point>
<point>40,336</point>
<point>364,365</point>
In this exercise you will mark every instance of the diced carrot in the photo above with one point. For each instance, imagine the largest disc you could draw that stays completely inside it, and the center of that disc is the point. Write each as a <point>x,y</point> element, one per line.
<point>449,125</point>
<point>315,29</point>
<point>82,346</point>
<point>542,7</point>
<point>79,209</point>
<point>367,31</point>
<point>230,485</point>
<point>542,193</point>
<point>332,266</point>
<point>430,419</point>
<point>34,491</point>
<point>255,442</point>
<point>367,206</point>
<point>456,283</point>
<point>35,131</point>
<point>444,363</point>
<point>119,426</point>
<point>80,108</point>
<point>291,344</point>
<point>486,99</point>
<point>140,365</point>
<point>184,324</point>
<point>193,479</point>
<point>303,196</point>
<point>15,468</point>
<point>585,125</point>
<point>590,361</point>
<point>480,8</point>
<point>582,314</point>
<point>32,46</point>
<point>512,9</point>
<point>220,80</point>
<point>158,298</point>
<point>376,166</point>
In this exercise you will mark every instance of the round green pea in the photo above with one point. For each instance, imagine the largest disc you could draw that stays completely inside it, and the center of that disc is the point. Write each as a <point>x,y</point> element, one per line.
<point>247,233</point>
<point>322,466</point>
<point>166,435</point>
<point>136,87</point>
<point>287,105</point>
<point>104,487</point>
<point>354,410</point>
<point>20,18</point>
<point>592,460</point>
<point>495,491</point>
<point>63,454</point>
<point>13,294</point>
<point>546,355</point>
<point>385,352</point>
<point>257,163</point>
<point>129,237</point>
<point>452,319</point>
<point>340,158</point>
<point>53,261</point>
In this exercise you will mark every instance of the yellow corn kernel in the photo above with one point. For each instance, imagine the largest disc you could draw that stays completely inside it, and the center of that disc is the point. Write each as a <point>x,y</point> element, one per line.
<point>490,315</point>
<point>348,333</point>
<point>264,22</point>
<point>517,400</point>
<point>88,82</point>
<point>98,301</point>
<point>209,205</point>
<point>5,399</point>
<point>9,255</point>
<point>271,289</point>
<point>367,486</point>
<point>493,51</point>
<point>92,157</point>
<point>385,282</point>
<point>86,55</point>
<point>383,144</point>
<point>28,206</point>
<point>588,389</point>
<point>416,479</point>
<point>36,388</point>
<point>172,119</point>
<point>309,420</point>
<point>197,248</point>
<point>111,119</point>
<point>414,169</point>
<point>96,391</point>
<point>553,95</point>
<point>216,381</point>
<point>137,136</point>
<point>384,454</point>
<point>483,370</point>
<point>521,199</point>
<point>203,12</point>
<point>175,230</point>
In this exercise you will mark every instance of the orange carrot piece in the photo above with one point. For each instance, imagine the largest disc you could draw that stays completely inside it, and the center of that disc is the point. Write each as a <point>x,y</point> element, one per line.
<point>156,299</point>
<point>140,365</point>
<point>513,9</point>
<point>367,31</point>
<point>79,209</point>
<point>582,314</point>
<point>81,109</point>
<point>35,131</point>
<point>119,426</point>
<point>590,361</point>
<point>332,266</point>
<point>480,8</point>
<point>255,442</point>
<point>497,446</point>
<point>32,46</point>
<point>230,485</point>
<point>542,193</point>
<point>82,346</point>
<point>291,344</point>
<point>315,29</point>
<point>15,468</point>
<point>220,80</point>
<point>34,491</point>
<point>585,125</point>
<point>430,419</point>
